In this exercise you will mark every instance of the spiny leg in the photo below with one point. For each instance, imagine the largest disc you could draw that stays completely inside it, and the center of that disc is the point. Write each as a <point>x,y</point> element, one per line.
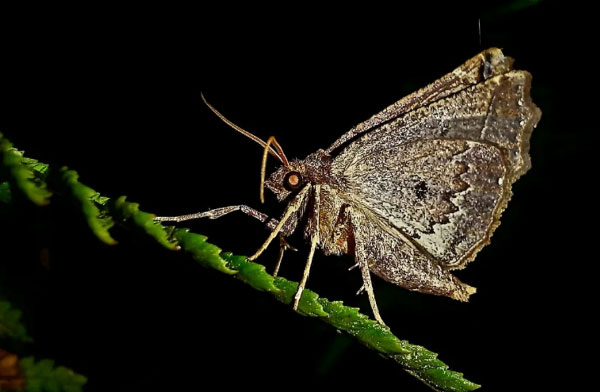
<point>283,246</point>
<point>294,206</point>
<point>363,262</point>
<point>302,284</point>
<point>314,240</point>
<point>219,212</point>
<point>368,287</point>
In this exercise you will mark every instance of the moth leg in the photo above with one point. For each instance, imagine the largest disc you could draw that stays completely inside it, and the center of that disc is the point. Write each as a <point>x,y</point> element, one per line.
<point>368,287</point>
<point>294,206</point>
<point>283,246</point>
<point>219,212</point>
<point>313,245</point>
<point>363,262</point>
<point>314,240</point>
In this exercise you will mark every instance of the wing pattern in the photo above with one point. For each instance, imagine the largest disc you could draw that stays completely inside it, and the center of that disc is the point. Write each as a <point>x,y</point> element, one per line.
<point>432,173</point>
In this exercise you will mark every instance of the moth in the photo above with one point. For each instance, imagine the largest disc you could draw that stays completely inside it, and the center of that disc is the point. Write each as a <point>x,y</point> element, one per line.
<point>415,191</point>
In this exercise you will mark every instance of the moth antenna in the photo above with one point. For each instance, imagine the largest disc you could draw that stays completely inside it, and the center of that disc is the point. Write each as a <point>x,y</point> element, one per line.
<point>263,168</point>
<point>243,131</point>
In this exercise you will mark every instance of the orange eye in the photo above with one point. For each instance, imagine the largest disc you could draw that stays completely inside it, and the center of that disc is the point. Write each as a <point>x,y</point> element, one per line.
<point>292,181</point>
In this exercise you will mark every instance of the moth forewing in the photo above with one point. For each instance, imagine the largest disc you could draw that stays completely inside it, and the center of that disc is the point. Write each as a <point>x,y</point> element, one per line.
<point>485,65</point>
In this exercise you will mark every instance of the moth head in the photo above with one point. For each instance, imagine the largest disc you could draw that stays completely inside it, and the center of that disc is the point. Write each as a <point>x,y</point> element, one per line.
<point>286,180</point>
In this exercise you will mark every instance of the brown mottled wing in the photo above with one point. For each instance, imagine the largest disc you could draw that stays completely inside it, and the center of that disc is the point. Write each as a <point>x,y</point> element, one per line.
<point>440,174</point>
<point>498,111</point>
<point>397,261</point>
<point>485,65</point>
<point>443,197</point>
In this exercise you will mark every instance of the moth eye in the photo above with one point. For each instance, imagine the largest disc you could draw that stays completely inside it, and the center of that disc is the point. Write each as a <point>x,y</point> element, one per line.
<point>292,181</point>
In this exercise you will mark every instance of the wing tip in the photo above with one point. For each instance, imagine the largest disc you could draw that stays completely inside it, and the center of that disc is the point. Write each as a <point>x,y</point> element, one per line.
<point>463,292</point>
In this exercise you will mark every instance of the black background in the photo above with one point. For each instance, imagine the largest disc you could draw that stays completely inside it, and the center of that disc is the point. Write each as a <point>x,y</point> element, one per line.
<point>115,95</point>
